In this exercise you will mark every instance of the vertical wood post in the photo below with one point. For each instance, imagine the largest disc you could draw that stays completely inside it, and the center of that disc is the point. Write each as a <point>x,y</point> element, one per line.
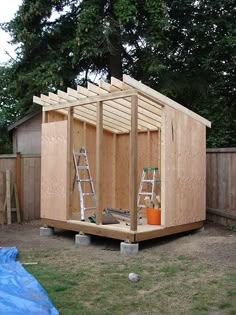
<point>69,160</point>
<point>163,165</point>
<point>133,164</point>
<point>8,195</point>
<point>114,170</point>
<point>99,170</point>
<point>84,134</point>
<point>149,147</point>
<point>44,117</point>
<point>18,176</point>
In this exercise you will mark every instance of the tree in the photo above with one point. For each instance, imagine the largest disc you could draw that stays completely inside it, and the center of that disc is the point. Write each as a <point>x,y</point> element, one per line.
<point>200,67</point>
<point>173,46</point>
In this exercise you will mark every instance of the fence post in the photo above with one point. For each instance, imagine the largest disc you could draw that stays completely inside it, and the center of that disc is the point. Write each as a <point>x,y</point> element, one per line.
<point>18,176</point>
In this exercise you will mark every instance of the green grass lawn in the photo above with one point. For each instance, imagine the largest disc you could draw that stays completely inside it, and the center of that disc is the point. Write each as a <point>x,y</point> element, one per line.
<point>168,285</point>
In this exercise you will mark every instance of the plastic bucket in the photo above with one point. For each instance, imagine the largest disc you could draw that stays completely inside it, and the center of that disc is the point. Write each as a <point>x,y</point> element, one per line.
<point>153,216</point>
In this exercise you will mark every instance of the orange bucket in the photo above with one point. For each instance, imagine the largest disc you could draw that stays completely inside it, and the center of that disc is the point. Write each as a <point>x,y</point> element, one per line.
<point>153,216</point>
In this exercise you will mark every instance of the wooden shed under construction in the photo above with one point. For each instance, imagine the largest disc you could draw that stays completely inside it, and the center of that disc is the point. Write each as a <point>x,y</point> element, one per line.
<point>124,126</point>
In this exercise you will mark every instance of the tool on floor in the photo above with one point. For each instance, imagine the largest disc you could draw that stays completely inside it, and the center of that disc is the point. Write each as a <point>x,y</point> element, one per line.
<point>148,177</point>
<point>83,176</point>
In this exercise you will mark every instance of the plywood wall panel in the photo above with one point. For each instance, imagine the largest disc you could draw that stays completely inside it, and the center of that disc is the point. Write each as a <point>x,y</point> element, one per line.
<point>54,173</point>
<point>185,171</point>
<point>148,155</point>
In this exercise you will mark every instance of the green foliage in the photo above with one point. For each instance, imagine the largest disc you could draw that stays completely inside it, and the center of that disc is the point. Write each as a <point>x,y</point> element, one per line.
<point>232,227</point>
<point>183,48</point>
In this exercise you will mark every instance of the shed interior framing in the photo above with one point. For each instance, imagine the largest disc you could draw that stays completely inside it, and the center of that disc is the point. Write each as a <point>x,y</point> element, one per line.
<point>125,126</point>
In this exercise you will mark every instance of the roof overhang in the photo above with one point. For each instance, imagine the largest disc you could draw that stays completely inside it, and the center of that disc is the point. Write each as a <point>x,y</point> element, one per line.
<point>116,98</point>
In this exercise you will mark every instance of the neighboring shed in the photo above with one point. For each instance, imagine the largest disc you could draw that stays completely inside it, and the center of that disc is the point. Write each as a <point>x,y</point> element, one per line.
<point>125,126</point>
<point>26,134</point>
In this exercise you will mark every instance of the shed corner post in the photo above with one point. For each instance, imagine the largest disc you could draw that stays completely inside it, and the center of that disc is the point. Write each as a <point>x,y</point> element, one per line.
<point>99,166</point>
<point>133,163</point>
<point>44,116</point>
<point>69,191</point>
<point>163,166</point>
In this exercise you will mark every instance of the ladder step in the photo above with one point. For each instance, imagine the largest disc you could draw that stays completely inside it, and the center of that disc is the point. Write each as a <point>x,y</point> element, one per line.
<point>89,208</point>
<point>145,193</point>
<point>80,154</point>
<point>151,181</point>
<point>83,167</point>
<point>85,180</point>
<point>88,194</point>
<point>148,181</point>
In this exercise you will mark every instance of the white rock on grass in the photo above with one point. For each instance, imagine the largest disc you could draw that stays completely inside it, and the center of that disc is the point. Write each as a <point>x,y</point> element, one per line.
<point>133,277</point>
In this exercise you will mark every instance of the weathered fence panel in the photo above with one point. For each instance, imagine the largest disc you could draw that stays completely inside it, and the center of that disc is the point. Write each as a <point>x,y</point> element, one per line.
<point>25,170</point>
<point>221,182</point>
<point>220,170</point>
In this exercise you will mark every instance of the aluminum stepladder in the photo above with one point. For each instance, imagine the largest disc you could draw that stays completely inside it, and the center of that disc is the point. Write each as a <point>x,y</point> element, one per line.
<point>145,179</point>
<point>82,168</point>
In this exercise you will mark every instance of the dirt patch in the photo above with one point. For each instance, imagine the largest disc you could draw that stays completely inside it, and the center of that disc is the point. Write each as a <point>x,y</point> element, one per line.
<point>214,244</point>
<point>191,273</point>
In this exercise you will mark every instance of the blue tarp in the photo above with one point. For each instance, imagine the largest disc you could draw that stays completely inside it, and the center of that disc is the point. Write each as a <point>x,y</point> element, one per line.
<point>20,292</point>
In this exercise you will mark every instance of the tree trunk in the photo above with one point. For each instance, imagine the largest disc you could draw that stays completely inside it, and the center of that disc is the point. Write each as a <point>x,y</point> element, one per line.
<point>115,51</point>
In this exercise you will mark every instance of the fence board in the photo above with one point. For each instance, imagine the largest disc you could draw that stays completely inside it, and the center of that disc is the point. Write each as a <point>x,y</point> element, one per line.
<point>30,183</point>
<point>221,179</point>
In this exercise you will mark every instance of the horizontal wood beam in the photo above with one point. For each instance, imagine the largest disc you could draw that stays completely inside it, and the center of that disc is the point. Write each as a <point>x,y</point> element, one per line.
<point>162,99</point>
<point>92,99</point>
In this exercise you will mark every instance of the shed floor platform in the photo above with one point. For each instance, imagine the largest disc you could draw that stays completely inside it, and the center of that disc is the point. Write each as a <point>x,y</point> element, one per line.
<point>122,231</point>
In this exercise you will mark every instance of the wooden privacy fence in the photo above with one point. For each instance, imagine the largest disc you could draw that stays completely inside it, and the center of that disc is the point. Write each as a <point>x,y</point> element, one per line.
<point>220,196</point>
<point>221,185</point>
<point>25,172</point>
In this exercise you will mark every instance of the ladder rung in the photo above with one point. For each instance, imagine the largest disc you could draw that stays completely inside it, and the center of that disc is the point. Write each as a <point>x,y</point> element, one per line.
<point>85,180</point>
<point>146,193</point>
<point>148,181</point>
<point>89,208</point>
<point>83,168</point>
<point>88,194</point>
<point>150,169</point>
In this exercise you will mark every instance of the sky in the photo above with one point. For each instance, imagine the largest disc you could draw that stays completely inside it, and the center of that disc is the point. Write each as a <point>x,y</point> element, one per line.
<point>8,9</point>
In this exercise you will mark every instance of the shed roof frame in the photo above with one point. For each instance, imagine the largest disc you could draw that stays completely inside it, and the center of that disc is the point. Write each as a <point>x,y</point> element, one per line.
<point>116,98</point>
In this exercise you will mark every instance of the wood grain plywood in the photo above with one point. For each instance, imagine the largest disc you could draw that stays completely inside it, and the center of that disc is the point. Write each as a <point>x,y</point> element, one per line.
<point>148,155</point>
<point>107,187</point>
<point>53,170</point>
<point>185,169</point>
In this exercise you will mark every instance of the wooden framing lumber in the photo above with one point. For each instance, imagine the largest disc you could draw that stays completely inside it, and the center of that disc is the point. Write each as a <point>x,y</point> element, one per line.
<point>121,233</point>
<point>90,100</point>
<point>133,164</point>
<point>163,170</point>
<point>163,100</point>
<point>8,195</point>
<point>114,170</point>
<point>145,116</point>
<point>147,235</point>
<point>18,214</point>
<point>18,176</point>
<point>69,161</point>
<point>99,168</point>
<point>90,228</point>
